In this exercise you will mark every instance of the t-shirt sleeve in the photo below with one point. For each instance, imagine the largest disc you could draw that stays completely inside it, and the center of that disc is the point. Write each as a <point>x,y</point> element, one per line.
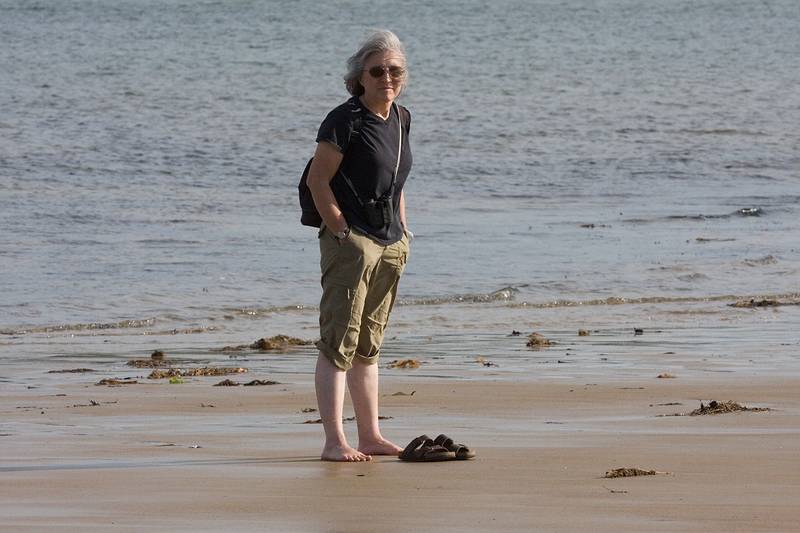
<point>336,129</point>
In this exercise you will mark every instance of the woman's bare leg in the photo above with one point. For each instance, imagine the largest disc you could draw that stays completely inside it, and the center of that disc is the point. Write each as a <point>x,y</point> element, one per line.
<point>362,380</point>
<point>329,381</point>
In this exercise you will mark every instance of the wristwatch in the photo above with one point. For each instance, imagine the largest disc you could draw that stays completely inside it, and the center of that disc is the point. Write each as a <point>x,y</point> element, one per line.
<point>341,235</point>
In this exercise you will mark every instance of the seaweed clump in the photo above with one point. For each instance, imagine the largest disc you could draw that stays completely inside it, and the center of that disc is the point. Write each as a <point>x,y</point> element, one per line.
<point>192,372</point>
<point>631,472</point>
<point>716,408</point>
<point>269,344</point>
<point>752,303</point>
<point>156,361</point>
<point>278,342</point>
<point>148,363</point>
<point>112,382</point>
<point>405,363</point>
<point>537,340</point>
<point>254,383</point>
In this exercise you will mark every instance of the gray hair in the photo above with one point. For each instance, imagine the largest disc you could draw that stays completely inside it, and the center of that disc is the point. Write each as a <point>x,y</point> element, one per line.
<point>378,41</point>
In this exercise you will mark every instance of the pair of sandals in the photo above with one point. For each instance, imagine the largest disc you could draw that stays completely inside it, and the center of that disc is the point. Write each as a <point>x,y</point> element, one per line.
<point>442,448</point>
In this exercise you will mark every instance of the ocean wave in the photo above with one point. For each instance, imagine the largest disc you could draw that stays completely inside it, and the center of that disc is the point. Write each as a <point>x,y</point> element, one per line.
<point>723,131</point>
<point>505,294</point>
<point>742,212</point>
<point>504,297</point>
<point>259,312</point>
<point>110,328</point>
<point>89,326</point>
<point>620,300</point>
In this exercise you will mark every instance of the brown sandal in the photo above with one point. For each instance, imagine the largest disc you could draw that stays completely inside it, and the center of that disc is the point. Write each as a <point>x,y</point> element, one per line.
<point>461,451</point>
<point>423,449</point>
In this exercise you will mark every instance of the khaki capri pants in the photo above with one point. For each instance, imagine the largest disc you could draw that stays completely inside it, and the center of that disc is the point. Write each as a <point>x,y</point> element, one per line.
<point>359,287</point>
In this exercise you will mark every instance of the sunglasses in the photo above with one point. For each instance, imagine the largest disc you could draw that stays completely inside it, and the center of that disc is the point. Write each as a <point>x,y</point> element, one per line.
<point>394,71</point>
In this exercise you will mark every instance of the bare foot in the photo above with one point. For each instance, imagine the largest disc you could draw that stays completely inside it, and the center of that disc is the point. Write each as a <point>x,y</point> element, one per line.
<point>380,447</point>
<point>343,454</point>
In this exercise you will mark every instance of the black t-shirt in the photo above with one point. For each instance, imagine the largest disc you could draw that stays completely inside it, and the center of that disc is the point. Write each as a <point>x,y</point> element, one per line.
<point>370,156</point>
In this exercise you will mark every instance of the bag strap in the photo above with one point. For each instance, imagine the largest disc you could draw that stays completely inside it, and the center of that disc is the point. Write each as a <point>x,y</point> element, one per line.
<point>390,192</point>
<point>399,142</point>
<point>357,123</point>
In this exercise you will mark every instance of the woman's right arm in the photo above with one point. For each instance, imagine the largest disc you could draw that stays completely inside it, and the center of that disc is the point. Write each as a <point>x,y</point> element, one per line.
<point>327,159</point>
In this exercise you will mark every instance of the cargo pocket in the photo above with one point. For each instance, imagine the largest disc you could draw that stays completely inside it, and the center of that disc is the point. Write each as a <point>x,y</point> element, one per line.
<point>335,258</point>
<point>335,309</point>
<point>338,302</point>
<point>396,255</point>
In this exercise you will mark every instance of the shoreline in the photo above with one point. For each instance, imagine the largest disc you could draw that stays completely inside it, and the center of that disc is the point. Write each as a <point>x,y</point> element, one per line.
<point>129,461</point>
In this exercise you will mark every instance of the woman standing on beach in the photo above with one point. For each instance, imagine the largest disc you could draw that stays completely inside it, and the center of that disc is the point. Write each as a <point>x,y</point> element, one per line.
<point>356,178</point>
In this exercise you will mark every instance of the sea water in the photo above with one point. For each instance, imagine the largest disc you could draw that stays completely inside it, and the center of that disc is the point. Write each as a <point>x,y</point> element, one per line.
<point>585,163</point>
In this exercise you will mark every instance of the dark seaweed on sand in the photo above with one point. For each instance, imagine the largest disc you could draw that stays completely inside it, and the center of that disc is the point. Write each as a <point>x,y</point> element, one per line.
<point>254,383</point>
<point>716,408</point>
<point>192,372</point>
<point>753,303</point>
<point>631,472</point>
<point>148,363</point>
<point>114,382</point>
<point>348,419</point>
<point>537,340</point>
<point>269,344</point>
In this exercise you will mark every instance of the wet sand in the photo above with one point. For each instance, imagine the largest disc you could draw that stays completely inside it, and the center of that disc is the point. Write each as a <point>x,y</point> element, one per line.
<point>194,457</point>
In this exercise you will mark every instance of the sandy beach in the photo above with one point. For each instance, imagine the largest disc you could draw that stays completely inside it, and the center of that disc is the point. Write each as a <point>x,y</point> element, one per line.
<point>194,457</point>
